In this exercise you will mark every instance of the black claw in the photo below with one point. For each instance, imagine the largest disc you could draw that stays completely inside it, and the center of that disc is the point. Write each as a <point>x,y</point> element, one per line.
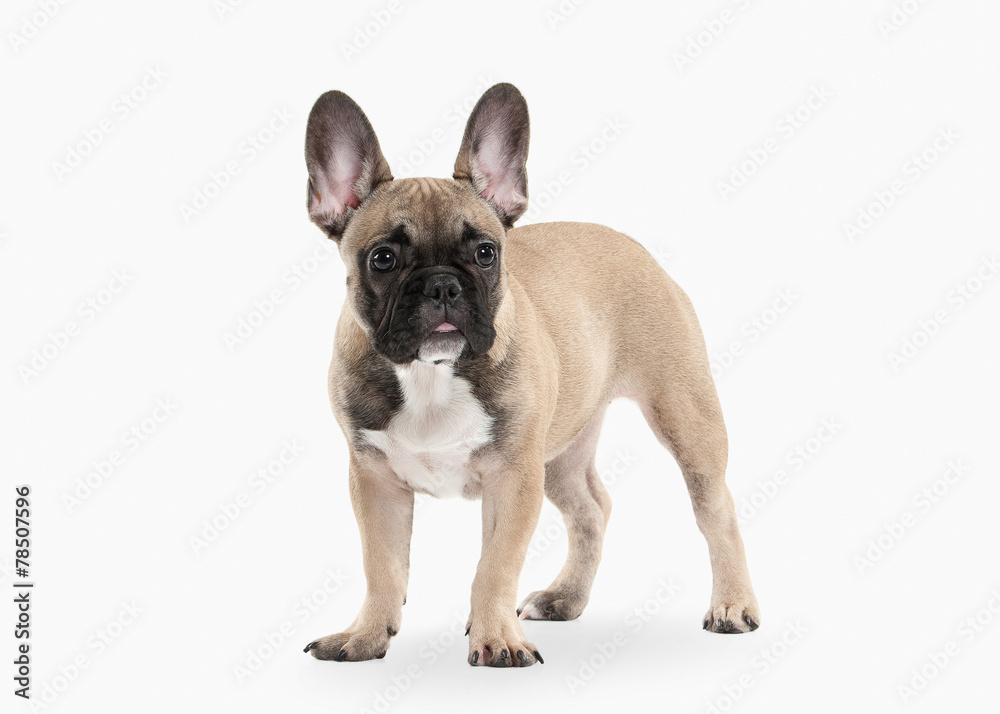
<point>391,630</point>
<point>504,654</point>
<point>475,656</point>
<point>538,657</point>
<point>704,625</point>
<point>720,626</point>
<point>729,625</point>
<point>750,622</point>
<point>550,608</point>
<point>311,646</point>
<point>404,599</point>
<point>380,655</point>
<point>520,656</point>
<point>467,628</point>
<point>342,655</point>
<point>518,611</point>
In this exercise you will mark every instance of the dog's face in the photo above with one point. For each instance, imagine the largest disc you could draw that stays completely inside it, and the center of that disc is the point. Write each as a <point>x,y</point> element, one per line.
<point>425,269</point>
<point>424,257</point>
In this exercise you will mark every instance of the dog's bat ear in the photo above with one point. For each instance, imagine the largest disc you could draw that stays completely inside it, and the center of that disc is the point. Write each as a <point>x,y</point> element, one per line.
<point>495,149</point>
<point>344,160</point>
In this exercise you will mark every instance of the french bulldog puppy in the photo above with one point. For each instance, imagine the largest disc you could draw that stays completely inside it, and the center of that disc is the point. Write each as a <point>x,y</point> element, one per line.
<point>476,359</point>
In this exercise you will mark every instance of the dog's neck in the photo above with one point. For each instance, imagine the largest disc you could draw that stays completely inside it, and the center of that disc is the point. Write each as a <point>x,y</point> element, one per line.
<point>426,385</point>
<point>505,321</point>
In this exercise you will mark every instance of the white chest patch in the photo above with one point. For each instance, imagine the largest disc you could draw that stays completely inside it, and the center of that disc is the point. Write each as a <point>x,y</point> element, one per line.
<point>428,442</point>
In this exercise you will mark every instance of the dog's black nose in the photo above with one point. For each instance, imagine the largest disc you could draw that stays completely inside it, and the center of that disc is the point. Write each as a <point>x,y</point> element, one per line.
<point>443,289</point>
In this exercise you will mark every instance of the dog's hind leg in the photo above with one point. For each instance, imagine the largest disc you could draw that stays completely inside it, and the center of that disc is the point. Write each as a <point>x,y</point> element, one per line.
<point>572,484</point>
<point>686,417</point>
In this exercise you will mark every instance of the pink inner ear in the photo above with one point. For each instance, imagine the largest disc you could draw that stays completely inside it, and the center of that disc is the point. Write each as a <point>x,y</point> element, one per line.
<point>495,189</point>
<point>331,200</point>
<point>334,191</point>
<point>347,168</point>
<point>346,196</point>
<point>490,194</point>
<point>502,193</point>
<point>499,172</point>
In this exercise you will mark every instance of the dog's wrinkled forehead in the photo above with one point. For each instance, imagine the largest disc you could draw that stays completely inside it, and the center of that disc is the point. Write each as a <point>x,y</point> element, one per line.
<point>435,214</point>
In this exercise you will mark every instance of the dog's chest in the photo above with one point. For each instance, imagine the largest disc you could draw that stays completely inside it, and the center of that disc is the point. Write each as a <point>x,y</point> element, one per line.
<point>429,441</point>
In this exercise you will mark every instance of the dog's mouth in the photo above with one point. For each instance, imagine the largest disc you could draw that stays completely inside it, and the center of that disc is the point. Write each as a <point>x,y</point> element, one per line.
<point>444,344</point>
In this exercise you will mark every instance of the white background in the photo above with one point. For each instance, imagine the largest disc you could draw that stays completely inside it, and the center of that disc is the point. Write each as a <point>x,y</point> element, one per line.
<point>685,127</point>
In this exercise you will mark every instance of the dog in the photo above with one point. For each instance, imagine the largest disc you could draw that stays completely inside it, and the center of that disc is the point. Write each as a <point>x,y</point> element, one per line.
<point>476,359</point>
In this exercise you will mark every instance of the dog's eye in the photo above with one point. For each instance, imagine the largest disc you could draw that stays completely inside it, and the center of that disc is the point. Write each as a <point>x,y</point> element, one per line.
<point>486,255</point>
<point>383,260</point>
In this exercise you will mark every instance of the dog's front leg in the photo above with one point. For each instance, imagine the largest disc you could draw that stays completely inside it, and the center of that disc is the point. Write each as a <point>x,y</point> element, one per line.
<point>384,510</point>
<point>512,502</point>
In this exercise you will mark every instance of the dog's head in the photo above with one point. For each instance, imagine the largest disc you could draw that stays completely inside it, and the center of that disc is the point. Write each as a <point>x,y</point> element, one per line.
<point>424,257</point>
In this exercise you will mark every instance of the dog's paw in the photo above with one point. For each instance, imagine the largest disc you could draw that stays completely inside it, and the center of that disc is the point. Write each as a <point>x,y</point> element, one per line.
<point>732,618</point>
<point>552,605</point>
<point>500,646</point>
<point>352,646</point>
